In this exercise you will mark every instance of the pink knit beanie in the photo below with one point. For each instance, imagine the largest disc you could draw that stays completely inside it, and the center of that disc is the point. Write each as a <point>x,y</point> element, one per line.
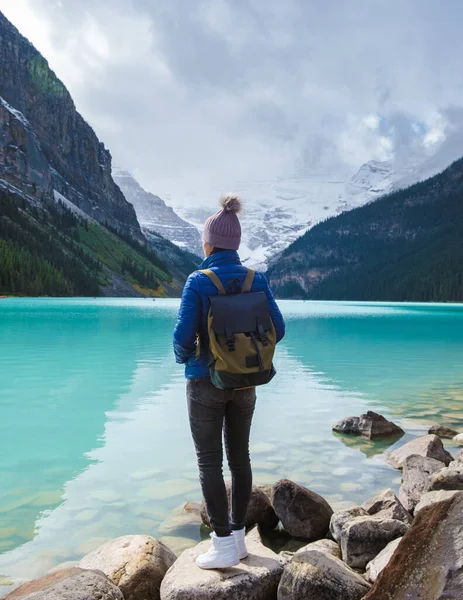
<point>223,230</point>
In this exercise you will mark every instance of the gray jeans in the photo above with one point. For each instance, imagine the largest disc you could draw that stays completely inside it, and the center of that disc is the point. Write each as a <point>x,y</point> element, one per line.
<point>212,411</point>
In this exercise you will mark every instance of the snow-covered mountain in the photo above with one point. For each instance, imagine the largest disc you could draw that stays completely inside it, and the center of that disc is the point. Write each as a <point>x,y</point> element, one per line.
<point>155,216</point>
<point>278,212</point>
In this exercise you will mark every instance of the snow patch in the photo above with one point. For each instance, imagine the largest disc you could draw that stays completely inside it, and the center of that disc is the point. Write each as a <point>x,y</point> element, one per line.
<point>71,206</point>
<point>16,113</point>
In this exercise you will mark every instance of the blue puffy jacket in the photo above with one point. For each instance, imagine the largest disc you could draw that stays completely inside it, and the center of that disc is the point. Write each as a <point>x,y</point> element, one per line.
<point>194,308</point>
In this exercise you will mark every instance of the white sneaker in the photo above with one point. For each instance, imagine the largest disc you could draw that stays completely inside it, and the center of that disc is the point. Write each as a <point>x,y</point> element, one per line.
<point>241,543</point>
<point>222,555</point>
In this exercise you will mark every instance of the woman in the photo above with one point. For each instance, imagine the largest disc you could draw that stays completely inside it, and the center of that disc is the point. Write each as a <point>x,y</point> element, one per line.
<point>212,410</point>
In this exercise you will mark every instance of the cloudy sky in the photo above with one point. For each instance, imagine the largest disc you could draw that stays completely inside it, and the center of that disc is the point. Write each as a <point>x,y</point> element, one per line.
<point>192,93</point>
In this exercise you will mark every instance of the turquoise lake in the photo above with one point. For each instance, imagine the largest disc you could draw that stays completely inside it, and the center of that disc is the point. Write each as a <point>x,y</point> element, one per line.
<point>94,434</point>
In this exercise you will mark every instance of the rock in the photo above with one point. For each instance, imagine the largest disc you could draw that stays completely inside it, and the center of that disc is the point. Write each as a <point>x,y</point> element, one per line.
<point>340,518</point>
<point>428,564</point>
<point>325,546</point>
<point>135,563</point>
<point>458,439</point>
<point>442,432</point>
<point>304,514</point>
<point>363,538</point>
<point>457,462</point>
<point>429,446</point>
<point>448,478</point>
<point>387,506</point>
<point>433,497</point>
<point>255,578</point>
<point>260,510</point>
<point>417,471</point>
<point>370,425</point>
<point>266,488</point>
<point>375,566</point>
<point>68,584</point>
<point>317,576</point>
<point>184,520</point>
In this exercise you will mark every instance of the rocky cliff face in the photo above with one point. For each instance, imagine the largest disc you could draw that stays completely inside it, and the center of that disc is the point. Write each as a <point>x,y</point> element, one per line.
<point>155,217</point>
<point>46,145</point>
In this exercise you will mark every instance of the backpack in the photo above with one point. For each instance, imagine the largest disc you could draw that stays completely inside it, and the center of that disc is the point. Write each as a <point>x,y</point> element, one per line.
<point>242,337</point>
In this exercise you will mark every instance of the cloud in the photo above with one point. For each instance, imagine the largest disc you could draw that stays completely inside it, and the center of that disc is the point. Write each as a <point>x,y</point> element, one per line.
<point>203,93</point>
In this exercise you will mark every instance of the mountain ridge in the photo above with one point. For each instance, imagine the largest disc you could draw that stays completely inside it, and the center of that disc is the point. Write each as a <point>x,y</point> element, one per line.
<point>405,246</point>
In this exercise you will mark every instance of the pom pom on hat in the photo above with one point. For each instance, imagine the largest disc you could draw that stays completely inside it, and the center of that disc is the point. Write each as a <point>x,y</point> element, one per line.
<point>231,203</point>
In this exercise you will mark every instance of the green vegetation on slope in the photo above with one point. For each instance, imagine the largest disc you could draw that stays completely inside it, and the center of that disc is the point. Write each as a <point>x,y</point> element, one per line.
<point>407,246</point>
<point>50,251</point>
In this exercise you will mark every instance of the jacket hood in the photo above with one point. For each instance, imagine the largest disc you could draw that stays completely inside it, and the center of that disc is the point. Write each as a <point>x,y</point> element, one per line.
<point>227,257</point>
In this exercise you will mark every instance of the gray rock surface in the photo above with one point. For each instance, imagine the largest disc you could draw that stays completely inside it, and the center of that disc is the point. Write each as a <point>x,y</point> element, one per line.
<point>317,576</point>
<point>69,157</point>
<point>363,538</point>
<point>448,478</point>
<point>255,578</point>
<point>68,584</point>
<point>442,431</point>
<point>417,472</point>
<point>184,520</point>
<point>458,439</point>
<point>375,566</point>
<point>303,513</point>
<point>155,216</point>
<point>135,563</point>
<point>387,506</point>
<point>429,446</point>
<point>340,518</point>
<point>370,425</point>
<point>260,510</point>
<point>325,546</point>
<point>434,497</point>
<point>428,564</point>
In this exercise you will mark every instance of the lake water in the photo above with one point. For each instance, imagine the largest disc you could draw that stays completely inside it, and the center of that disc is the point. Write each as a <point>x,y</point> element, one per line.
<point>94,437</point>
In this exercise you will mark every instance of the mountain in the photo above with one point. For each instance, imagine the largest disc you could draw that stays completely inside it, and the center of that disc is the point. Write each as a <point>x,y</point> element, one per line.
<point>65,226</point>
<point>406,246</point>
<point>155,217</point>
<point>278,212</point>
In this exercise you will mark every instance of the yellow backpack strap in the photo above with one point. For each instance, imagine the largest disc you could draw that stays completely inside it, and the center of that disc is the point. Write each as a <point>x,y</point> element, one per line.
<point>215,280</point>
<point>248,281</point>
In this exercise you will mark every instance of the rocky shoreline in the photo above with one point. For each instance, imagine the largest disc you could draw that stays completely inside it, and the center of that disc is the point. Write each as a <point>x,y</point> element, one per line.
<point>391,547</point>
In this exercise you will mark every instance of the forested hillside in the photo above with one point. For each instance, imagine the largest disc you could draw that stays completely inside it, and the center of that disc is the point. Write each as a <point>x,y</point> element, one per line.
<point>45,249</point>
<point>406,246</point>
<point>65,226</point>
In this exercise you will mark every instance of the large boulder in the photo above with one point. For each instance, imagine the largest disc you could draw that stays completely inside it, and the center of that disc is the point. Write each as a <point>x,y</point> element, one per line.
<point>458,439</point>
<point>260,510</point>
<point>68,584</point>
<point>325,546</point>
<point>135,563</point>
<point>448,478</point>
<point>303,513</point>
<point>255,578</point>
<point>433,497</point>
<point>387,506</point>
<point>370,425</point>
<point>316,576</point>
<point>375,566</point>
<point>429,446</point>
<point>363,538</point>
<point>417,471</point>
<point>340,518</point>
<point>442,431</point>
<point>428,564</point>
